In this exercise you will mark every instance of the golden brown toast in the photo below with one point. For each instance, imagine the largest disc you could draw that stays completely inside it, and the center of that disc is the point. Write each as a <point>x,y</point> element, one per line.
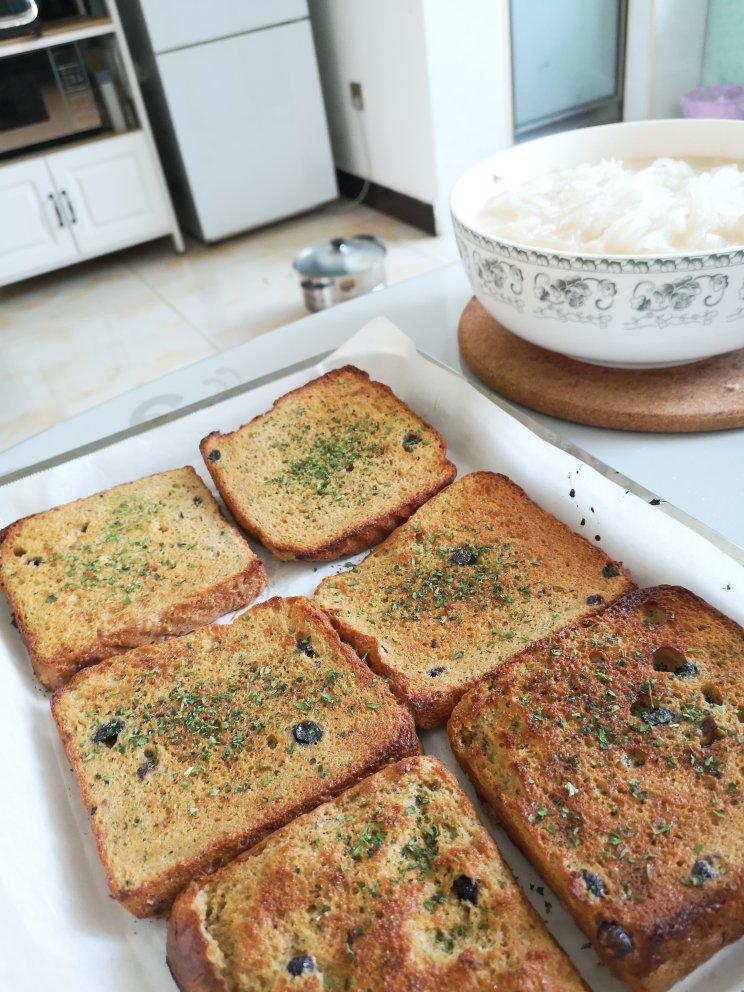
<point>189,751</point>
<point>124,567</point>
<point>473,576</point>
<point>330,469</point>
<point>393,887</point>
<point>612,753</point>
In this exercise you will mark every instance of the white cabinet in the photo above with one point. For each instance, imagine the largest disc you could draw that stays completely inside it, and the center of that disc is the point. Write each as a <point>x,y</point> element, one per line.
<point>33,234</point>
<point>108,190</point>
<point>179,23</point>
<point>74,204</point>
<point>251,130</point>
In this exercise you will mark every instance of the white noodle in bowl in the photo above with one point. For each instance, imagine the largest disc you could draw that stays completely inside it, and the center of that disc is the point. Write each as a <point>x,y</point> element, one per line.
<point>613,207</point>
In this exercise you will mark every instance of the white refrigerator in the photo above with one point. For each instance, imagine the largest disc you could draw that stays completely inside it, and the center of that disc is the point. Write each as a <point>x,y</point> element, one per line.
<point>233,92</point>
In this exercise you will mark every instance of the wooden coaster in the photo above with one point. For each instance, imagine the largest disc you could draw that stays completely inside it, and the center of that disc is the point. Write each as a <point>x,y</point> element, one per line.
<point>706,396</point>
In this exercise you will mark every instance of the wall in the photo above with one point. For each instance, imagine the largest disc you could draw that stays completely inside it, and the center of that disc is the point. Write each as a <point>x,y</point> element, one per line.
<point>437,89</point>
<point>724,49</point>
<point>381,44</point>
<point>469,64</point>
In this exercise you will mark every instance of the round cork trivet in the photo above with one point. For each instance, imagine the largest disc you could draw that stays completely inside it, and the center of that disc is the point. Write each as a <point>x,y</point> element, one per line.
<point>705,396</point>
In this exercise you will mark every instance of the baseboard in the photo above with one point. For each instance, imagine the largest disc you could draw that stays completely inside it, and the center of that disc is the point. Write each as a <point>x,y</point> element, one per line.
<point>389,201</point>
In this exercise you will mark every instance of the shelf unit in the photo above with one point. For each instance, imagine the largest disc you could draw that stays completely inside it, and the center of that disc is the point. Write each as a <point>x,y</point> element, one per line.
<point>90,195</point>
<point>61,32</point>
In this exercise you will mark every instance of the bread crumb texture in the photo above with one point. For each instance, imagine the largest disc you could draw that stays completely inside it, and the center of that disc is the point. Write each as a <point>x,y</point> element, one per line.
<point>392,886</point>
<point>330,469</point>
<point>612,752</point>
<point>125,566</point>
<point>473,576</point>
<point>188,751</point>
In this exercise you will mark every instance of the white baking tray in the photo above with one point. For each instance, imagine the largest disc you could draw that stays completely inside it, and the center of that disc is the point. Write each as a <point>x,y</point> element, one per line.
<point>60,929</point>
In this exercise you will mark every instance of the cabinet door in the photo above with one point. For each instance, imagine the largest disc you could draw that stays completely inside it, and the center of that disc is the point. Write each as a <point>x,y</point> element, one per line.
<point>249,119</point>
<point>110,193</point>
<point>33,235</point>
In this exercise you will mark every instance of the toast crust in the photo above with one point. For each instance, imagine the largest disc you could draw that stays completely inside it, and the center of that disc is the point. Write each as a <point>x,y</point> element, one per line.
<point>197,962</point>
<point>54,669</point>
<point>188,950</point>
<point>155,897</point>
<point>671,934</point>
<point>350,539</point>
<point>430,701</point>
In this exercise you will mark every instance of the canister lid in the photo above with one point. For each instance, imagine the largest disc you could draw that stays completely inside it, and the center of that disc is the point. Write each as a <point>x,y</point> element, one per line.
<point>341,256</point>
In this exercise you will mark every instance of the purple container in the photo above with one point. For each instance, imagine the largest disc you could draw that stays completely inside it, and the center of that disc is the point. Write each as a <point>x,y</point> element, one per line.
<point>721,102</point>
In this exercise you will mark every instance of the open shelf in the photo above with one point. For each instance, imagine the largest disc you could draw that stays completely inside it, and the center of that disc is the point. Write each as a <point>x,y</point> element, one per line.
<point>60,32</point>
<point>62,145</point>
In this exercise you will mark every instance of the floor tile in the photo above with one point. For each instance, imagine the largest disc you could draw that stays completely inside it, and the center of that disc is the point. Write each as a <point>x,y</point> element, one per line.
<point>74,338</point>
<point>80,336</point>
<point>240,288</point>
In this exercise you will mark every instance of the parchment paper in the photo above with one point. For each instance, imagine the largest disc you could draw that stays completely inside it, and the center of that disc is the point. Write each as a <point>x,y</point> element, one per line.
<point>60,930</point>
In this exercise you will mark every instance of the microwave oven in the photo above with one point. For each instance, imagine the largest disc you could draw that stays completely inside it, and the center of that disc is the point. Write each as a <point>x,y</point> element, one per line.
<point>30,17</point>
<point>45,96</point>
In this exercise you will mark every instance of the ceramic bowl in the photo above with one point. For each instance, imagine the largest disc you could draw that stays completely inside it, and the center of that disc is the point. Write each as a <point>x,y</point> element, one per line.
<point>629,311</point>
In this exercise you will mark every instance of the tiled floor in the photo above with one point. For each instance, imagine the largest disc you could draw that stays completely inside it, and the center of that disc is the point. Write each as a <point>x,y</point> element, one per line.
<point>76,337</point>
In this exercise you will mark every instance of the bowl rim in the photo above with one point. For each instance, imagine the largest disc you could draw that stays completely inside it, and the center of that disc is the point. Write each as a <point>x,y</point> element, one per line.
<point>712,258</point>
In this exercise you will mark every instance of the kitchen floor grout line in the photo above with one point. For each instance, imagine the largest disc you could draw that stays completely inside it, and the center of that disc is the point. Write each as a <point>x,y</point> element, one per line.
<point>171,306</point>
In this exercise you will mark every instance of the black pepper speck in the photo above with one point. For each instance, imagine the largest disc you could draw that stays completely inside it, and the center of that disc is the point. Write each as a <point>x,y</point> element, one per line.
<point>703,869</point>
<point>307,732</point>
<point>615,939</point>
<point>595,885</point>
<point>108,732</point>
<point>658,717</point>
<point>300,964</point>
<point>146,767</point>
<point>466,889</point>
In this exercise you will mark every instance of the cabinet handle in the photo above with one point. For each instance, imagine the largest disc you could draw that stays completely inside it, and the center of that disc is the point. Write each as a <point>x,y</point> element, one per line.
<point>68,204</point>
<point>60,222</point>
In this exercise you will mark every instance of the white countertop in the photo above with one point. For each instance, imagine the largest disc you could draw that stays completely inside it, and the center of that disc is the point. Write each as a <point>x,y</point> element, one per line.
<point>702,474</point>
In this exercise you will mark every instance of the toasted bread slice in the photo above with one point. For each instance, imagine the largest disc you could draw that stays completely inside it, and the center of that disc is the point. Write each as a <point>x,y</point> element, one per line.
<point>330,469</point>
<point>124,567</point>
<point>189,751</point>
<point>393,885</point>
<point>612,753</point>
<point>473,576</point>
